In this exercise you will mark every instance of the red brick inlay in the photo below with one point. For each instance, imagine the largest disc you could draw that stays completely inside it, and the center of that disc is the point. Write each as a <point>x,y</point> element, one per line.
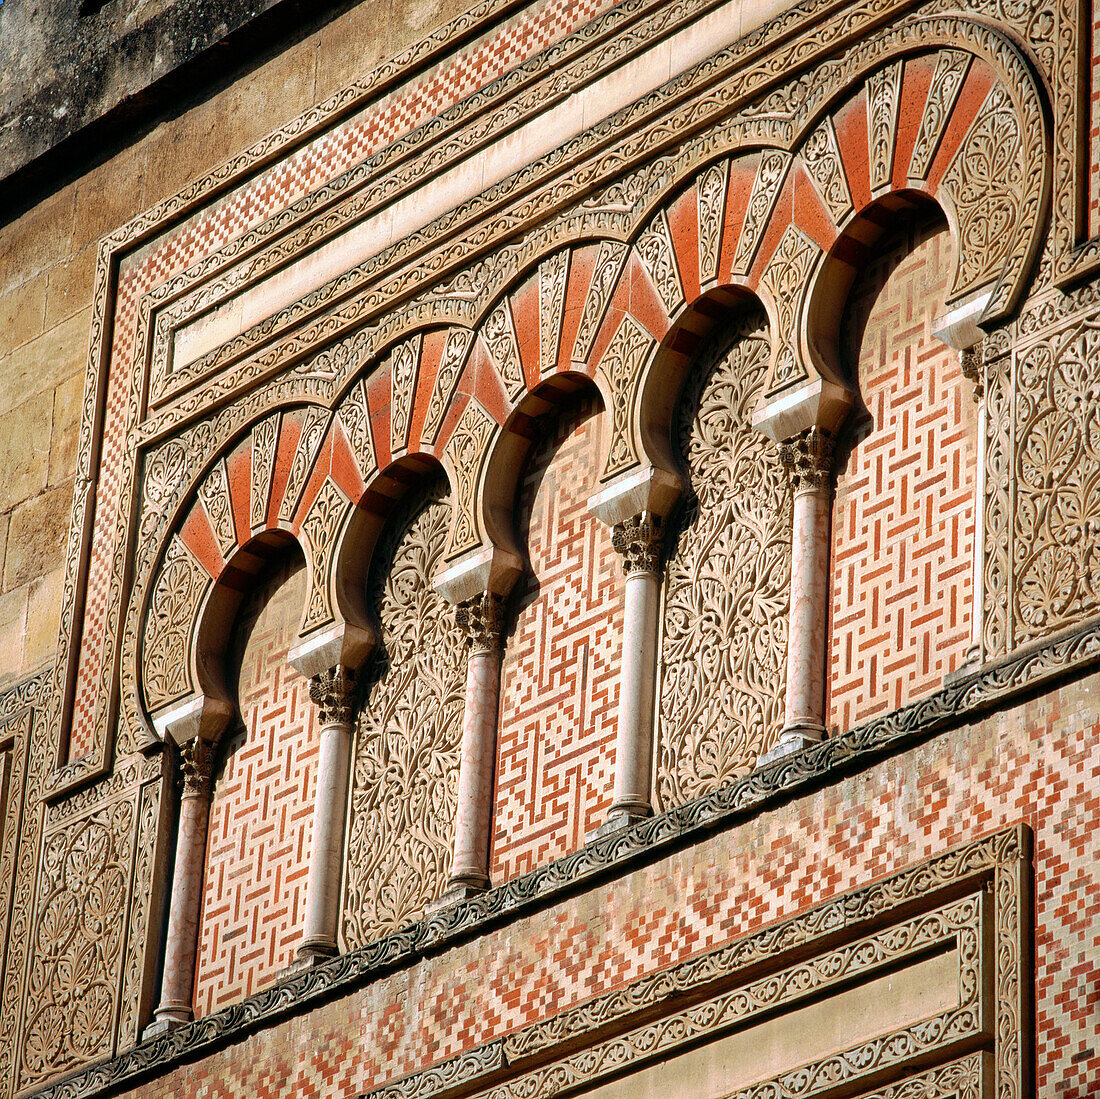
<point>903,520</point>
<point>559,681</point>
<point>261,815</point>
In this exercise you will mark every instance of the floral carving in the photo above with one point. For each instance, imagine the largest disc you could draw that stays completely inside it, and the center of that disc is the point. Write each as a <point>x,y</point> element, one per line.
<point>658,257</point>
<point>951,69</point>
<point>553,274</point>
<point>181,586</point>
<point>605,275</point>
<point>481,619</point>
<point>500,337</point>
<point>453,359</point>
<point>765,190</point>
<point>466,450</point>
<point>404,366</point>
<point>264,437</point>
<point>883,100</point>
<point>354,417</point>
<point>821,155</point>
<point>711,201</point>
<point>197,766</point>
<point>214,494</point>
<point>786,277</point>
<point>723,648</point>
<point>622,365</point>
<point>408,738</point>
<point>808,458</point>
<point>314,424</point>
<point>987,181</point>
<point>79,931</point>
<point>638,541</point>
<point>1057,515</point>
<point>321,529</point>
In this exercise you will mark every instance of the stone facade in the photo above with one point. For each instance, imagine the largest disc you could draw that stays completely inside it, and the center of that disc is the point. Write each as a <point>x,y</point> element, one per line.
<point>550,549</point>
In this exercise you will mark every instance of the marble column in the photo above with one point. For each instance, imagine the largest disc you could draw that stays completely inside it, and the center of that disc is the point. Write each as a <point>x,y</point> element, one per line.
<point>334,693</point>
<point>177,983</point>
<point>970,360</point>
<point>638,540</point>
<point>481,618</point>
<point>808,458</point>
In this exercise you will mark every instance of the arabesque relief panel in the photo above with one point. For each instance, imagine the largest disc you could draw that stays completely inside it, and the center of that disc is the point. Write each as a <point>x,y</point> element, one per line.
<point>1043,491</point>
<point>407,740</point>
<point>726,591</point>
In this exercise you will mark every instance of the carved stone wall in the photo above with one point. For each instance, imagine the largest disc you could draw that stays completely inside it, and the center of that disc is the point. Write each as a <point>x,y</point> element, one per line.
<point>257,855</point>
<point>406,753</point>
<point>559,677</point>
<point>389,277</point>
<point>726,594</point>
<point>1055,540</point>
<point>903,518</point>
<point>742,884</point>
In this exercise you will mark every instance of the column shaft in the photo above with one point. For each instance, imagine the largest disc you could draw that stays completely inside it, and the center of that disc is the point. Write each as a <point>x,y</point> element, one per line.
<point>808,458</point>
<point>333,692</point>
<point>327,851</point>
<point>804,712</point>
<point>181,946</point>
<point>481,618</point>
<point>637,689</point>
<point>470,866</point>
<point>638,540</point>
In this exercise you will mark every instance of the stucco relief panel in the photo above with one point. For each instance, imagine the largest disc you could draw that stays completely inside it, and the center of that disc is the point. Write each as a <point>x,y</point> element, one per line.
<point>723,643</point>
<point>406,754</point>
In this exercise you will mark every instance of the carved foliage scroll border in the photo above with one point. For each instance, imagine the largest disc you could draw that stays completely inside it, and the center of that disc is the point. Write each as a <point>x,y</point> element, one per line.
<point>18,848</point>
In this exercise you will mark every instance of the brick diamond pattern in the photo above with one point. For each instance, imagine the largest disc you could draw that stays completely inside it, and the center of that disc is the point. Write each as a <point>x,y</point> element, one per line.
<point>903,518</point>
<point>261,814</point>
<point>559,678</point>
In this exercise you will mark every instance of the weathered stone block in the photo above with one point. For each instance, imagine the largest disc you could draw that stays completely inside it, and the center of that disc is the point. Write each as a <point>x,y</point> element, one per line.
<point>36,541</point>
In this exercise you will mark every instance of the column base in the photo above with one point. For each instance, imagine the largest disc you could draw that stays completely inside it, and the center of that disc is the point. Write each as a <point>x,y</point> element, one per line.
<point>457,891</point>
<point>310,955</point>
<point>793,738</point>
<point>163,1025</point>
<point>617,820</point>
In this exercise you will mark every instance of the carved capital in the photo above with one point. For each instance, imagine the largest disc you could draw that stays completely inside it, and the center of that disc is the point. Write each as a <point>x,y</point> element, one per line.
<point>808,458</point>
<point>333,691</point>
<point>196,766</point>
<point>481,619</point>
<point>970,359</point>
<point>638,539</point>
